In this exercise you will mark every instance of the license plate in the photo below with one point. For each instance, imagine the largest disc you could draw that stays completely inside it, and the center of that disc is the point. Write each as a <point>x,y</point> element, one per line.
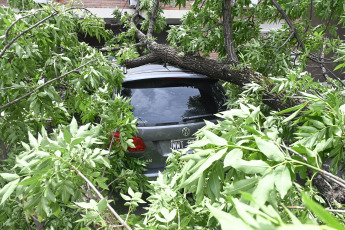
<point>181,143</point>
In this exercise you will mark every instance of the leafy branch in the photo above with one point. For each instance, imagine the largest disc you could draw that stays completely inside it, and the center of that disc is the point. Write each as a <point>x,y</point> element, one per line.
<point>123,223</point>
<point>2,52</point>
<point>44,84</point>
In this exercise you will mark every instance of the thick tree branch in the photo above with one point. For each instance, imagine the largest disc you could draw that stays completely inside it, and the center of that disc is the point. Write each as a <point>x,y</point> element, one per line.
<point>152,18</point>
<point>149,58</point>
<point>47,83</point>
<point>227,30</point>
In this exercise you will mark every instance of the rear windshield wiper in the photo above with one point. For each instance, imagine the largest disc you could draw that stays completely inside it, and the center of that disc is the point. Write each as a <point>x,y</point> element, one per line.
<point>197,117</point>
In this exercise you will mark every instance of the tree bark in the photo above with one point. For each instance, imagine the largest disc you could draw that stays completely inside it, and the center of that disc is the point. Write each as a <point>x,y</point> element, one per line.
<point>4,151</point>
<point>227,28</point>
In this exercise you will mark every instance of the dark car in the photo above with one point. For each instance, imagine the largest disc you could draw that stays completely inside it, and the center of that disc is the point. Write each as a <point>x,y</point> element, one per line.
<point>170,105</point>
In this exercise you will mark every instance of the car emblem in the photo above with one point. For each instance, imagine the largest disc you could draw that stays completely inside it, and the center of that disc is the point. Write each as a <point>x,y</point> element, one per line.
<point>185,131</point>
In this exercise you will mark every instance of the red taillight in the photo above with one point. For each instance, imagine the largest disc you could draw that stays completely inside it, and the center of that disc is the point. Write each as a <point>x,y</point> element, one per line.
<point>116,135</point>
<point>137,141</point>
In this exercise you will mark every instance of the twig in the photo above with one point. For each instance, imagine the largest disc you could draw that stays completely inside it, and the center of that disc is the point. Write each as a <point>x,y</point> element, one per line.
<point>336,77</point>
<point>276,51</point>
<point>330,15</point>
<point>324,173</point>
<point>123,223</point>
<point>294,152</point>
<point>122,47</point>
<point>310,16</point>
<point>48,82</point>
<point>15,22</point>
<point>119,178</point>
<point>303,208</point>
<point>111,144</point>
<point>289,22</point>
<point>33,26</point>
<point>329,175</point>
<point>14,87</point>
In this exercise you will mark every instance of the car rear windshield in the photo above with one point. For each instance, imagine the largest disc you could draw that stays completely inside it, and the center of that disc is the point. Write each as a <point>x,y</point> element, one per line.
<point>174,101</point>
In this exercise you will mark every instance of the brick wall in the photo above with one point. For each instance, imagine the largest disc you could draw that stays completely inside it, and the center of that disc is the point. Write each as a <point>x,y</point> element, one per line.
<point>106,4</point>
<point>115,3</point>
<point>3,3</point>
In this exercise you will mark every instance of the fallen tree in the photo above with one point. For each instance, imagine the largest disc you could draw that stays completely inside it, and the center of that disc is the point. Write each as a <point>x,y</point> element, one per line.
<point>229,68</point>
<point>248,162</point>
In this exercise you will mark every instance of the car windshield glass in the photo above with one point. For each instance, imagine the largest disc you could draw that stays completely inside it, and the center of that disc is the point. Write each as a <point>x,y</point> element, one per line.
<point>173,101</point>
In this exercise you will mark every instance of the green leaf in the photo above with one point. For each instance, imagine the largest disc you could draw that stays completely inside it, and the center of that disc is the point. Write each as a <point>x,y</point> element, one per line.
<point>282,180</point>
<point>293,108</point>
<point>76,141</point>
<point>214,139</point>
<point>125,197</point>
<point>269,149</point>
<point>67,135</point>
<point>9,176</point>
<point>85,205</point>
<point>33,201</point>
<point>30,180</point>
<point>324,144</point>
<point>317,124</point>
<point>292,116</point>
<point>169,216</point>
<point>49,194</point>
<point>321,213</point>
<point>199,189</point>
<point>228,221</point>
<point>56,209</point>
<point>102,184</point>
<point>43,207</point>
<point>265,186</point>
<point>73,127</point>
<point>216,156</point>
<point>246,213</point>
<point>252,130</point>
<point>309,129</point>
<point>232,156</point>
<point>251,167</point>
<point>241,186</point>
<point>199,143</point>
<point>214,184</point>
<point>8,189</point>
<point>130,192</point>
<point>102,205</point>
<point>32,140</point>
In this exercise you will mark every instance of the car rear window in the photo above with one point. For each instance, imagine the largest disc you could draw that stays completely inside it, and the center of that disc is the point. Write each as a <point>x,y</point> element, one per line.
<point>173,101</point>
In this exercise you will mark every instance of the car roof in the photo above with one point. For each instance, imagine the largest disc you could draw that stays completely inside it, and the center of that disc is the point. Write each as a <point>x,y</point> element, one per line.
<point>155,71</point>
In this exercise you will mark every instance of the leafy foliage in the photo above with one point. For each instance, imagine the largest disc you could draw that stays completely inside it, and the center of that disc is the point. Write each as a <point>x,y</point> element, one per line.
<point>244,166</point>
<point>255,169</point>
<point>52,77</point>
